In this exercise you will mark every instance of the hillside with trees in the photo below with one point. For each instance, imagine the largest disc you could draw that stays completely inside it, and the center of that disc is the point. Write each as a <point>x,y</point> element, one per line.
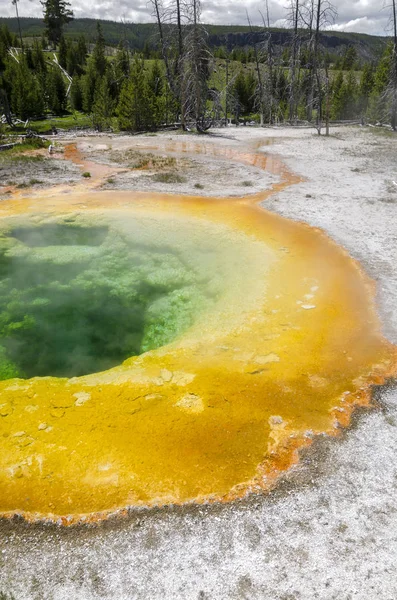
<point>143,35</point>
<point>177,71</point>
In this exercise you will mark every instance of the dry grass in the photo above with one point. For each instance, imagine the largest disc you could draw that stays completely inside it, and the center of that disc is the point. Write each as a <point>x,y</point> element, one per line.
<point>169,177</point>
<point>134,159</point>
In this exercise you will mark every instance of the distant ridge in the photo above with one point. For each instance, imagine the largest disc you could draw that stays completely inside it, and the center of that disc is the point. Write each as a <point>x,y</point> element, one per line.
<point>369,47</point>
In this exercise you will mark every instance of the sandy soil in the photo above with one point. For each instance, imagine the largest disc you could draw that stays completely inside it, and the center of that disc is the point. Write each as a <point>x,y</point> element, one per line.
<point>35,170</point>
<point>329,531</point>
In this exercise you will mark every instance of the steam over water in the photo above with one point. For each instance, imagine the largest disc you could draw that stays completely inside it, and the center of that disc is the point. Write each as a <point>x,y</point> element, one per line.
<point>78,298</point>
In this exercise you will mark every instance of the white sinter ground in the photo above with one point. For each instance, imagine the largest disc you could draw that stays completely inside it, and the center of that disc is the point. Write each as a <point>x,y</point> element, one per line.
<point>330,529</point>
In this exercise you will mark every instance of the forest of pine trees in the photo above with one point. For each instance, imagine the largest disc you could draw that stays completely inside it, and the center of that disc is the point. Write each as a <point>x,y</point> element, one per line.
<point>129,92</point>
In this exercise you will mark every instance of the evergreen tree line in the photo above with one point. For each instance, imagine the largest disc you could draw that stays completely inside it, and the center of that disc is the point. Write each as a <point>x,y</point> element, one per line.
<point>124,89</point>
<point>120,88</point>
<point>345,61</point>
<point>32,82</point>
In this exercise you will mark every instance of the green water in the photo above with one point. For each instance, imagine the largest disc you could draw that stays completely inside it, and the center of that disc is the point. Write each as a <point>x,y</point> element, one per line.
<point>77,298</point>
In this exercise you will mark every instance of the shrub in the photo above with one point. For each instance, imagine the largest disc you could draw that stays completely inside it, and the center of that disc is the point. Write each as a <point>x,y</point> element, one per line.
<point>169,177</point>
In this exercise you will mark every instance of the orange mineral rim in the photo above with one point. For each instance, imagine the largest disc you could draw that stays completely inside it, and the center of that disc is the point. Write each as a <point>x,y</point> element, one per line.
<point>288,345</point>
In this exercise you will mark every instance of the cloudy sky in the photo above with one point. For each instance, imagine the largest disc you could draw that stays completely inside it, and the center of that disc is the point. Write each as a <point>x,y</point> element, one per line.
<point>366,16</point>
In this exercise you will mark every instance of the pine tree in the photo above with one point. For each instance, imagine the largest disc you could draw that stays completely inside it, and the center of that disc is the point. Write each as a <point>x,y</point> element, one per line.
<point>345,97</point>
<point>239,94</point>
<point>28,57</point>
<point>24,90</point>
<point>76,95</point>
<point>39,65</point>
<point>350,110</point>
<point>98,54</point>
<point>220,53</point>
<point>366,86</point>
<point>124,109</point>
<point>76,57</point>
<point>56,91</point>
<point>88,84</point>
<point>38,59</point>
<point>156,89</point>
<point>379,104</point>
<point>250,87</point>
<point>156,80</point>
<point>338,96</point>
<point>3,52</point>
<point>96,69</point>
<point>146,51</point>
<point>337,83</point>
<point>122,61</point>
<point>349,59</point>
<point>135,109</point>
<point>103,105</point>
<point>57,13</point>
<point>121,67</point>
<point>72,60</point>
<point>82,51</point>
<point>62,52</point>
<point>6,37</point>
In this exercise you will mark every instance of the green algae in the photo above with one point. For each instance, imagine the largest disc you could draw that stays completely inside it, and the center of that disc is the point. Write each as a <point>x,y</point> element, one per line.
<point>76,298</point>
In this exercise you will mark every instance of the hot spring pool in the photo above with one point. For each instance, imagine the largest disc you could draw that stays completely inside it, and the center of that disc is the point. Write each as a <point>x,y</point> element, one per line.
<point>158,349</point>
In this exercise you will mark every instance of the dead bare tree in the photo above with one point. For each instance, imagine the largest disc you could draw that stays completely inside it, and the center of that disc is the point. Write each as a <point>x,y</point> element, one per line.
<point>63,71</point>
<point>258,47</point>
<point>294,19</point>
<point>170,21</point>
<point>196,62</point>
<point>267,49</point>
<point>307,12</point>
<point>227,92</point>
<point>15,3</point>
<point>393,70</point>
<point>327,99</point>
<point>317,15</point>
<point>158,13</point>
<point>225,96</point>
<point>186,56</point>
<point>13,52</point>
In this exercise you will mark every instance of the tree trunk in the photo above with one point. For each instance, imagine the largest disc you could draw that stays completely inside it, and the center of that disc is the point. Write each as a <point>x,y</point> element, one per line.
<point>178,63</point>
<point>6,107</point>
<point>19,24</point>
<point>317,66</point>
<point>227,93</point>
<point>259,76</point>
<point>292,99</point>
<point>394,70</point>
<point>164,53</point>
<point>327,101</point>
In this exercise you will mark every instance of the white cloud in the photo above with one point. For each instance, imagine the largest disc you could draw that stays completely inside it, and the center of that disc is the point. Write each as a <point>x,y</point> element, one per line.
<point>362,25</point>
<point>366,16</point>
